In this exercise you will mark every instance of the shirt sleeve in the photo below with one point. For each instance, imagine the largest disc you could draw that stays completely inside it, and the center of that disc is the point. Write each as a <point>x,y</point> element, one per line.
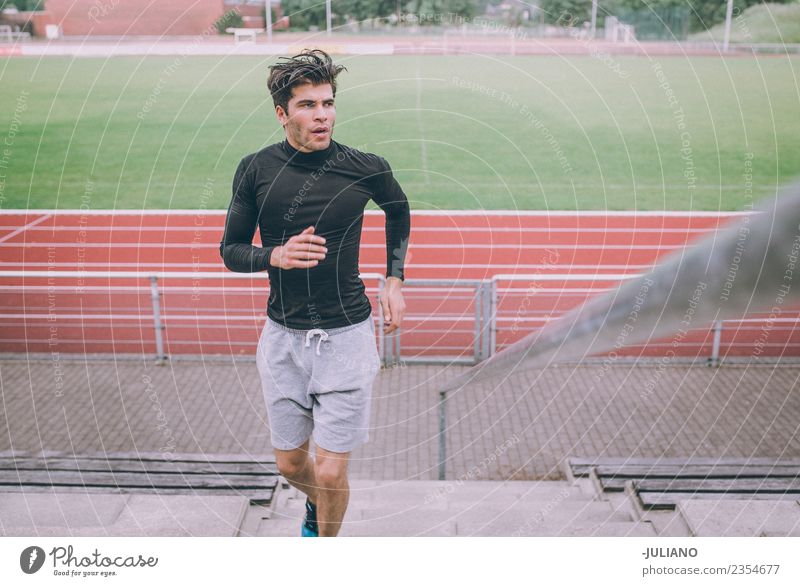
<point>393,201</point>
<point>236,248</point>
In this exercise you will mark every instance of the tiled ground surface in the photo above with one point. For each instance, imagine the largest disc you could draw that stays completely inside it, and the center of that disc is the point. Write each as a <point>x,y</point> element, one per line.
<point>522,429</point>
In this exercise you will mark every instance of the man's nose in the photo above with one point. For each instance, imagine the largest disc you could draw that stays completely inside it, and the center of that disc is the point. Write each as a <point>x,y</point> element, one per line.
<point>320,113</point>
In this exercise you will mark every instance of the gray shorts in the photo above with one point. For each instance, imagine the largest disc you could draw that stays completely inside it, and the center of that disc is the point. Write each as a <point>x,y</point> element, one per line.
<point>318,381</point>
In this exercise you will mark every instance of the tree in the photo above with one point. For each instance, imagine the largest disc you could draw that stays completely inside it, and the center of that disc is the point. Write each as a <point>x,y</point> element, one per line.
<point>305,13</point>
<point>230,19</point>
<point>566,12</point>
<point>362,10</point>
<point>462,8</point>
<point>22,5</point>
<point>703,14</point>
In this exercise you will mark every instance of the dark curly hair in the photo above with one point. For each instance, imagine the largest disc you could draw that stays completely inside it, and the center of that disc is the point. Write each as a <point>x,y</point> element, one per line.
<point>311,66</point>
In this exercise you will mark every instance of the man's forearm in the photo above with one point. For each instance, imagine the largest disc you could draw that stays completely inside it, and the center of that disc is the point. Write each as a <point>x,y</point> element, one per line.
<point>398,228</point>
<point>246,258</point>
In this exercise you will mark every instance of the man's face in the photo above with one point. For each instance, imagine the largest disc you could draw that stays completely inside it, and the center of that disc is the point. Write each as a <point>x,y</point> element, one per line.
<point>310,119</point>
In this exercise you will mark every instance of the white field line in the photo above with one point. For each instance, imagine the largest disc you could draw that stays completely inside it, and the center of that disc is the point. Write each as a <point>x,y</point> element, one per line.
<point>21,229</point>
<point>474,213</point>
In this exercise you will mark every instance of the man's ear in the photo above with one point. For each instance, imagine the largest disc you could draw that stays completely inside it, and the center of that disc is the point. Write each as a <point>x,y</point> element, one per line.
<point>281,114</point>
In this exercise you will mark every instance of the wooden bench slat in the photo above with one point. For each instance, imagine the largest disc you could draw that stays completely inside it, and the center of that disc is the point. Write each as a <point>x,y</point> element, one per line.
<point>746,485</point>
<point>119,465</point>
<point>146,456</point>
<point>617,482</point>
<point>152,481</point>
<point>669,500</point>
<point>701,461</point>
<point>580,466</point>
<point>256,496</point>
<point>38,488</point>
<point>255,477</point>
<point>697,471</point>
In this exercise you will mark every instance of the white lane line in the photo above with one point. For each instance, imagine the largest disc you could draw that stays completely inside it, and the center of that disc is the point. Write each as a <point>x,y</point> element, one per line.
<point>202,265</point>
<point>418,247</point>
<point>422,143</point>
<point>474,213</point>
<point>216,230</point>
<point>21,229</point>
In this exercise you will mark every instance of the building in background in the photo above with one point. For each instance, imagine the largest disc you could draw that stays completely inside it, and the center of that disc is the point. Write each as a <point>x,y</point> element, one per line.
<point>140,17</point>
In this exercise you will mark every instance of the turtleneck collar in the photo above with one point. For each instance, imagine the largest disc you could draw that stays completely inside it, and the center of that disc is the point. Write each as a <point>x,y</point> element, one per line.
<point>312,158</point>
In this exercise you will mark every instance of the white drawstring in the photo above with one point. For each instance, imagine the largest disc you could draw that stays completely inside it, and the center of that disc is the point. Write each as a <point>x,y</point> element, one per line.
<point>323,335</point>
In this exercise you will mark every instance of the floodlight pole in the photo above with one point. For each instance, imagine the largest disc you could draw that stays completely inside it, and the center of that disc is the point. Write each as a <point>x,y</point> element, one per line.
<point>328,15</point>
<point>728,15</point>
<point>268,17</point>
<point>594,18</point>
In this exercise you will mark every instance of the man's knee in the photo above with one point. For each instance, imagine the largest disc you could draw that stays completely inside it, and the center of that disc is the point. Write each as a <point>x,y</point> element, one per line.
<point>331,471</point>
<point>291,463</point>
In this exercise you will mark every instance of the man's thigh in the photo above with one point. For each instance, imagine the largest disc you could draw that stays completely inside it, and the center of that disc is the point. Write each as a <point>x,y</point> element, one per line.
<point>341,420</point>
<point>284,383</point>
<point>342,388</point>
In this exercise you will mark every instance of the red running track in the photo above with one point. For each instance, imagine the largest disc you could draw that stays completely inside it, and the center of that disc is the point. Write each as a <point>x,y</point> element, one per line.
<point>224,315</point>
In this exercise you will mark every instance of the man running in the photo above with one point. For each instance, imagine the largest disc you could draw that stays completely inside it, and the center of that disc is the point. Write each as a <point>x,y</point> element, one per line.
<point>317,356</point>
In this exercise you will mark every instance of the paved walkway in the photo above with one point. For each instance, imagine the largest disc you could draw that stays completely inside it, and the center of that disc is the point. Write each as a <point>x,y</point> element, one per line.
<point>522,429</point>
<point>519,43</point>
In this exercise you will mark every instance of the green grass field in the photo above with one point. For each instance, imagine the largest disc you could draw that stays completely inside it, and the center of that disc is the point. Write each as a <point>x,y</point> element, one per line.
<point>760,23</point>
<point>482,132</point>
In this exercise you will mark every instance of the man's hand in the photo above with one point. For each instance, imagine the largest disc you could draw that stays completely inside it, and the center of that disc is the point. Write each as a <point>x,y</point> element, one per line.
<point>302,251</point>
<point>394,308</point>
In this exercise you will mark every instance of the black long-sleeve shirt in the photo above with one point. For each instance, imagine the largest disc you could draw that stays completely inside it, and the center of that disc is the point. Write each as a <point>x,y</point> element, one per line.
<point>283,191</point>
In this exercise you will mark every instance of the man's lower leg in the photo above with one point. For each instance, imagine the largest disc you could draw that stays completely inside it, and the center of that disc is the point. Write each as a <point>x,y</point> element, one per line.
<point>297,467</point>
<point>333,491</point>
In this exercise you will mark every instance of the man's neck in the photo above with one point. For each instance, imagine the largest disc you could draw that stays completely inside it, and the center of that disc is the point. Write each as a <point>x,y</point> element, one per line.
<point>296,146</point>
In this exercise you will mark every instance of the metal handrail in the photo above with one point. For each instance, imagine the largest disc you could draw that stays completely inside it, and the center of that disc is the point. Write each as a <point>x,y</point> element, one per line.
<point>485,328</point>
<point>155,293</point>
<point>486,299</point>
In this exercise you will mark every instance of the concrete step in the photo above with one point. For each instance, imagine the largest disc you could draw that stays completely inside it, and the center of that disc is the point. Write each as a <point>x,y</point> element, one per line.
<point>565,511</point>
<point>121,515</point>
<point>433,525</point>
<point>408,508</point>
<point>416,493</point>
<point>279,528</point>
<point>664,523</point>
<point>456,486</point>
<point>408,496</point>
<point>613,529</point>
<point>741,518</point>
<point>429,524</point>
<point>439,525</point>
<point>535,521</point>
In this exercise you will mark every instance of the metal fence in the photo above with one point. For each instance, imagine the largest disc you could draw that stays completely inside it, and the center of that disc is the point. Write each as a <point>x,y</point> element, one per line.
<point>482,315</point>
<point>97,287</point>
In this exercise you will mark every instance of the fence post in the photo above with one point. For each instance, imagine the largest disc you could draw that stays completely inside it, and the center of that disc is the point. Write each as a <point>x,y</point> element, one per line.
<point>396,357</point>
<point>382,350</point>
<point>390,343</point>
<point>714,359</point>
<point>442,432</point>
<point>477,341</point>
<point>493,317</point>
<point>155,297</point>
<point>487,318</point>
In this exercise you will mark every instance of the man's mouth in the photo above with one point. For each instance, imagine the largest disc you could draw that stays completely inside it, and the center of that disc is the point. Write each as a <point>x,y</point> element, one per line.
<point>321,131</point>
